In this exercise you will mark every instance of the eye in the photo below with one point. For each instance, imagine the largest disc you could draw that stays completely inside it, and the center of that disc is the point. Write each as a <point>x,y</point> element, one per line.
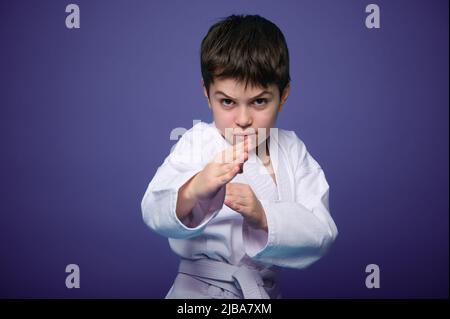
<point>227,102</point>
<point>260,102</point>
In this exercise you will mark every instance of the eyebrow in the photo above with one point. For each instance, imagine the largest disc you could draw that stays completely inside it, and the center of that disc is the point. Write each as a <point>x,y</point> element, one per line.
<point>252,98</point>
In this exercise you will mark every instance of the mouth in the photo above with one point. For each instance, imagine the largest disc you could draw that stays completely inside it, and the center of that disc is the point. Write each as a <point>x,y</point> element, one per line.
<point>243,134</point>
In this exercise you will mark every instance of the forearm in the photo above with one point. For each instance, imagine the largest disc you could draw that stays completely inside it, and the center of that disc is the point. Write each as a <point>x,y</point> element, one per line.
<point>296,238</point>
<point>186,200</point>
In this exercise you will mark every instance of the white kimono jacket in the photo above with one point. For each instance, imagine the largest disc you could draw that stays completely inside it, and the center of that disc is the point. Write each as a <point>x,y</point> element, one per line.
<point>223,256</point>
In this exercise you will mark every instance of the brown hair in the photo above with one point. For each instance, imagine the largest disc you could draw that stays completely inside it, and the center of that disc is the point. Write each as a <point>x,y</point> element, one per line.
<point>248,48</point>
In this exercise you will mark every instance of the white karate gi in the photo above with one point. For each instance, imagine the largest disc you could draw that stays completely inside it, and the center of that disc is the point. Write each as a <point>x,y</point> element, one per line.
<point>222,256</point>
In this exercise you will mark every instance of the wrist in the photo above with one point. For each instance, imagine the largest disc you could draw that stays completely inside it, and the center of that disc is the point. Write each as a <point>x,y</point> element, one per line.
<point>262,220</point>
<point>190,190</point>
<point>264,225</point>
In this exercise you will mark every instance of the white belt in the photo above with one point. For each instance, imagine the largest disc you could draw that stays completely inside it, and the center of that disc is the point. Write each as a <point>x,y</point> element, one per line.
<point>249,280</point>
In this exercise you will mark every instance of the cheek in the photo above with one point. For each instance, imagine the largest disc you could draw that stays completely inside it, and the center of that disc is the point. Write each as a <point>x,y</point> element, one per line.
<point>265,118</point>
<point>222,119</point>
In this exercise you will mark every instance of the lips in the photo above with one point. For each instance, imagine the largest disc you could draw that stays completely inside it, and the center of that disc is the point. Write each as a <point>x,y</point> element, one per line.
<point>243,134</point>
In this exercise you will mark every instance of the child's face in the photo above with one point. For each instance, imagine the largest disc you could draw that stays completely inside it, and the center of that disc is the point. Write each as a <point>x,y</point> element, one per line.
<point>244,110</point>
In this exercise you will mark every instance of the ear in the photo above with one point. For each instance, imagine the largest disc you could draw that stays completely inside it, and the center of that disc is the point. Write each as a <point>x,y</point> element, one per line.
<point>284,96</point>
<point>205,92</point>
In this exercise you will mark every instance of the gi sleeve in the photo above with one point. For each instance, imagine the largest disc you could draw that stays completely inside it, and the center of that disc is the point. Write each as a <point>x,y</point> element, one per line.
<point>159,202</point>
<point>299,232</point>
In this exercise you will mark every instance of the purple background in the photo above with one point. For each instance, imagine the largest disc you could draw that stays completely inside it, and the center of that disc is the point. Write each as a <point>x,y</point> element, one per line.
<point>85,118</point>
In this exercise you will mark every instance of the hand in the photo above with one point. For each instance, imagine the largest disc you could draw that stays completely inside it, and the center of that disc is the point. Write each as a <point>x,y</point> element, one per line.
<point>242,199</point>
<point>225,166</point>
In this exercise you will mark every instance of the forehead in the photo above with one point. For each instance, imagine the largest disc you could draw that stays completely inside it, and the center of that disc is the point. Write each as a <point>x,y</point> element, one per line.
<point>235,88</point>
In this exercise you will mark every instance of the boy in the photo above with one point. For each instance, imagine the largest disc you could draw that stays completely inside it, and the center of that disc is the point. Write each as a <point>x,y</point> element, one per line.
<point>237,198</point>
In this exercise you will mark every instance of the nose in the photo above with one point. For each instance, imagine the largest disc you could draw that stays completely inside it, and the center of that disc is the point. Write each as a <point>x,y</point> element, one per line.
<point>243,118</point>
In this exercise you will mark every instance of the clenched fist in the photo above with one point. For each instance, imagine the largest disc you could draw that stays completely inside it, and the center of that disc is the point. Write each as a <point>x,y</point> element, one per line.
<point>242,199</point>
